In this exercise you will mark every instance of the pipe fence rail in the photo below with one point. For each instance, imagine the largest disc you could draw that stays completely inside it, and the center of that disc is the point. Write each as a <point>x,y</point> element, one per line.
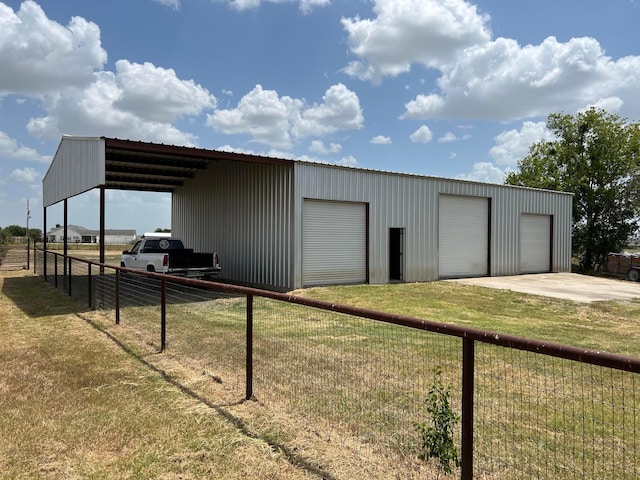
<point>528,409</point>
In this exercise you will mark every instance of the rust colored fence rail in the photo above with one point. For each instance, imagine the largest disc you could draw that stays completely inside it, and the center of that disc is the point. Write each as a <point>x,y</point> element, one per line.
<point>529,409</point>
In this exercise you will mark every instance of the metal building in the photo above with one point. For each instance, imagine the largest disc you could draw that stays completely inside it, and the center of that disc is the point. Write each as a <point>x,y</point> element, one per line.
<point>287,224</point>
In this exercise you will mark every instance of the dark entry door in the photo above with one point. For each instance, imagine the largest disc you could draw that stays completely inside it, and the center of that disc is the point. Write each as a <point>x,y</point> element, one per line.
<point>396,247</point>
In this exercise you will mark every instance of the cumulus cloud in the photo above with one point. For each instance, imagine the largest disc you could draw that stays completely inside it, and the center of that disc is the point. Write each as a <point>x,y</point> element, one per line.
<point>9,148</point>
<point>121,104</point>
<point>39,55</point>
<point>380,140</point>
<point>348,161</point>
<point>485,172</point>
<point>318,146</point>
<point>305,6</point>
<point>277,121</point>
<point>406,32</point>
<point>24,175</point>
<point>447,138</point>
<point>481,77</point>
<point>62,68</point>
<point>500,80</point>
<point>513,145</point>
<point>169,98</point>
<point>422,135</point>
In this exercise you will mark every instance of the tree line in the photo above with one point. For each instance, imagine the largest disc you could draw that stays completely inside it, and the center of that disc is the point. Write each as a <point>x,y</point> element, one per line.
<point>8,233</point>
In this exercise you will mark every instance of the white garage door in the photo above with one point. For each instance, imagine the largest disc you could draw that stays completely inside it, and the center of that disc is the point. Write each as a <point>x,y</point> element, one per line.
<point>334,243</point>
<point>463,236</point>
<point>535,243</point>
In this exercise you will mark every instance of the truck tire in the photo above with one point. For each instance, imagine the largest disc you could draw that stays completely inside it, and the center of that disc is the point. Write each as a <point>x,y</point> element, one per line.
<point>151,268</point>
<point>634,274</point>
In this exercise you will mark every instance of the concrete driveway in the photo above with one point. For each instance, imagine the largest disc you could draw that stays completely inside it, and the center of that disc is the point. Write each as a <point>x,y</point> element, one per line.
<point>569,286</point>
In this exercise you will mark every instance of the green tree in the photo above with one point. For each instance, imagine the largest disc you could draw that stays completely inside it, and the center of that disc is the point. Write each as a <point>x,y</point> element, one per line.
<point>35,234</point>
<point>596,156</point>
<point>16,231</point>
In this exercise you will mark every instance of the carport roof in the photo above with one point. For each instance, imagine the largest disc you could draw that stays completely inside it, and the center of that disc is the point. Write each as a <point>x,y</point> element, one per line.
<point>83,163</point>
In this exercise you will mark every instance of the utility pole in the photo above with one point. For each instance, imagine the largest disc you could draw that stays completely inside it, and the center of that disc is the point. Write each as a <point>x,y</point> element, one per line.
<point>28,237</point>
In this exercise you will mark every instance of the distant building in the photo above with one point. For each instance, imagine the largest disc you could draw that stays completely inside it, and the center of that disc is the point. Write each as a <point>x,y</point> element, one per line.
<point>78,234</point>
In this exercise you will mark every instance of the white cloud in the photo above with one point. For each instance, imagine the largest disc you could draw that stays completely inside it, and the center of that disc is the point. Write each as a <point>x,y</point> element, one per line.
<point>318,146</point>
<point>9,148</point>
<point>348,161</point>
<point>447,138</point>
<point>305,6</point>
<point>24,175</point>
<point>174,4</point>
<point>404,32</point>
<point>500,80</point>
<point>277,121</point>
<point>513,145</point>
<point>116,104</point>
<point>422,135</point>
<point>380,140</point>
<point>481,77</point>
<point>62,68</point>
<point>484,172</point>
<point>169,98</point>
<point>39,55</point>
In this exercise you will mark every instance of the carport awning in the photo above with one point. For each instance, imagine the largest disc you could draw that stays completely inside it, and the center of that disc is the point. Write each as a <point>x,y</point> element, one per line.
<point>83,163</point>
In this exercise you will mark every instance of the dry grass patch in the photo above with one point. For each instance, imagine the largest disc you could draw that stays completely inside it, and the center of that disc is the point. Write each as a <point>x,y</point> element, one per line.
<point>76,406</point>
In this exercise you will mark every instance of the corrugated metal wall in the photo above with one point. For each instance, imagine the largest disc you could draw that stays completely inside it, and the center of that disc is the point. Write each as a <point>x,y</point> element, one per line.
<point>78,166</point>
<point>411,202</point>
<point>243,211</point>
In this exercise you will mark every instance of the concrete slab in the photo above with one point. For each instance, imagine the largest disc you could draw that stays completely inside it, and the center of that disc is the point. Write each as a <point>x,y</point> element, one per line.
<point>568,286</point>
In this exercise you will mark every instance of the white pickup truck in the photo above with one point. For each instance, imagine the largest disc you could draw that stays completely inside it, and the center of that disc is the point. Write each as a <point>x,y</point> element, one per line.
<point>168,255</point>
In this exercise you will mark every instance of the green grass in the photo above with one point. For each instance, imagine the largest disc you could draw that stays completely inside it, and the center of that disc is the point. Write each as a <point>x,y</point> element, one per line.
<point>605,326</point>
<point>343,392</point>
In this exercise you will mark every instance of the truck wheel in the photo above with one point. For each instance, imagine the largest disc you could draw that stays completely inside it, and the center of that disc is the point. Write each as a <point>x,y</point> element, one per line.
<point>151,268</point>
<point>122,264</point>
<point>634,274</point>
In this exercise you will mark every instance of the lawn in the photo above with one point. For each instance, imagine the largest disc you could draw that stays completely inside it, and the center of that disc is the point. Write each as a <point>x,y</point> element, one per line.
<point>337,395</point>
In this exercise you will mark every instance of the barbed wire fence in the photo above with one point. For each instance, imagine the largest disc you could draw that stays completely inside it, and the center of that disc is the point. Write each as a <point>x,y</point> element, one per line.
<point>361,383</point>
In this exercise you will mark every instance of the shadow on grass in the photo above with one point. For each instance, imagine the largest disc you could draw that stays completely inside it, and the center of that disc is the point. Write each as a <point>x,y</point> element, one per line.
<point>294,458</point>
<point>38,299</point>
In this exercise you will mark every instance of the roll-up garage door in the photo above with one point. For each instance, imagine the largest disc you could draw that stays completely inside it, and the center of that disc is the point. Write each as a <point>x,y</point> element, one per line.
<point>334,242</point>
<point>535,243</point>
<point>463,236</point>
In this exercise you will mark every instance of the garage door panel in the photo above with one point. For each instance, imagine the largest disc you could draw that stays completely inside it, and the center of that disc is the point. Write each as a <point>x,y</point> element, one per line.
<point>535,243</point>
<point>334,243</point>
<point>463,236</point>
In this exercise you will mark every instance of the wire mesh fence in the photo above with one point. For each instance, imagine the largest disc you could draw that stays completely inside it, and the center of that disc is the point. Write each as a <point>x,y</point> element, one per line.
<point>361,383</point>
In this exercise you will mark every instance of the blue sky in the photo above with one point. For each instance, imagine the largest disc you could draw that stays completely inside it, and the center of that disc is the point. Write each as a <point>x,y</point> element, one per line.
<point>436,87</point>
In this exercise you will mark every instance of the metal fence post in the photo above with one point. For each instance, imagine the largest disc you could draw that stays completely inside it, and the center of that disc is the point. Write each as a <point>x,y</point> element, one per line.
<point>117,297</point>
<point>249,361</point>
<point>468,347</point>
<point>89,282</point>
<point>69,278</point>
<point>163,315</point>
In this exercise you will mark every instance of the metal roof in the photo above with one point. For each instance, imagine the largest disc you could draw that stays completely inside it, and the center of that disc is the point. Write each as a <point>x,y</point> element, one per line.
<point>83,163</point>
<point>134,165</point>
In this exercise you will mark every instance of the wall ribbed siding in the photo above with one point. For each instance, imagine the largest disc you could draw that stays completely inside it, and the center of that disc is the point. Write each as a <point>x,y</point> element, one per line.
<point>78,166</point>
<point>243,211</point>
<point>412,202</point>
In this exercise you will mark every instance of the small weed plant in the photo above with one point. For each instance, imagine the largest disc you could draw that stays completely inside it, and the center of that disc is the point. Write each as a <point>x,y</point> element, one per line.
<point>437,434</point>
